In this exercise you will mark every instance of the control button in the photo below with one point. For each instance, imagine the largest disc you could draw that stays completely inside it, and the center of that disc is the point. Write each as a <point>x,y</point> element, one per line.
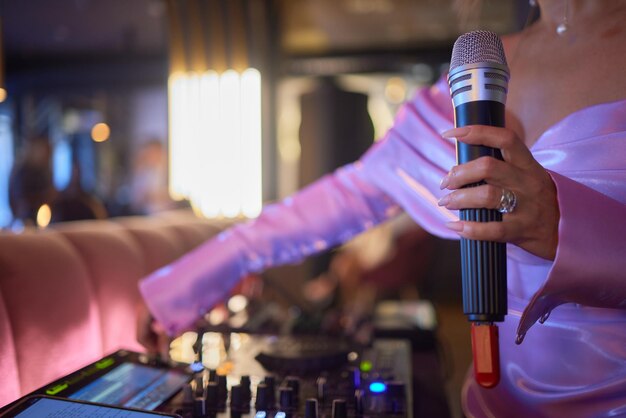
<point>238,404</point>
<point>340,409</point>
<point>321,388</point>
<point>378,387</point>
<point>222,392</point>
<point>294,383</point>
<point>396,397</point>
<point>211,397</point>
<point>287,401</point>
<point>198,384</point>
<point>245,386</point>
<point>270,381</point>
<point>261,403</point>
<point>310,408</point>
<point>199,407</point>
<point>376,402</point>
<point>359,402</point>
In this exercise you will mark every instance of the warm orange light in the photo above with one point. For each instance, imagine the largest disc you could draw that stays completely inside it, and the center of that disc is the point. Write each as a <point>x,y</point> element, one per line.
<point>100,132</point>
<point>44,215</point>
<point>3,95</point>
<point>395,90</point>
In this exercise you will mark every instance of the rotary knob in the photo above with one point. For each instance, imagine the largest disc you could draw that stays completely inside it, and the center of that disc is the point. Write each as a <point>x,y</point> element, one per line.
<point>287,399</point>
<point>310,408</point>
<point>340,409</point>
<point>294,383</point>
<point>261,403</point>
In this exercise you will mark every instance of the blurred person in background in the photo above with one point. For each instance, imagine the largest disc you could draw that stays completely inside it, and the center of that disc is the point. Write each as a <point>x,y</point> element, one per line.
<point>148,186</point>
<point>30,181</point>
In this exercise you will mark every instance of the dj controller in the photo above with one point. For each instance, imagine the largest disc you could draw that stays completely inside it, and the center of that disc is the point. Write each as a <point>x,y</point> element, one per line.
<point>240,375</point>
<point>302,377</point>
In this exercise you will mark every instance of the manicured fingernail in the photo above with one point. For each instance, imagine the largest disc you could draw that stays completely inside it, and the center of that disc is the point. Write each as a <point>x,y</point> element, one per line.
<point>444,182</point>
<point>456,132</point>
<point>455,226</point>
<point>544,317</point>
<point>519,338</point>
<point>444,200</point>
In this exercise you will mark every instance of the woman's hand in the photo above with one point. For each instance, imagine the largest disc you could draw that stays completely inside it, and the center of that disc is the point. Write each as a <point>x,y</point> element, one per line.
<point>533,225</point>
<point>150,334</point>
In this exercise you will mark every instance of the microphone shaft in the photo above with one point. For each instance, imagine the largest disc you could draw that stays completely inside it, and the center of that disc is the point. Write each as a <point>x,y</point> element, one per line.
<point>483,263</point>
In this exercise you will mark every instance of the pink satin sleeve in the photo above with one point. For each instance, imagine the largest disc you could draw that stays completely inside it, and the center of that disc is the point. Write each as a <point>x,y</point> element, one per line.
<point>330,211</point>
<point>590,266</point>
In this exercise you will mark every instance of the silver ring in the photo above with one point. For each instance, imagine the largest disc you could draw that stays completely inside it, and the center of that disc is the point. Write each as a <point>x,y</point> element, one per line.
<point>508,201</point>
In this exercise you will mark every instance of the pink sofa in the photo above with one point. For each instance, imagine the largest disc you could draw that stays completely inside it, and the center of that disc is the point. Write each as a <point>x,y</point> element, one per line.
<point>68,293</point>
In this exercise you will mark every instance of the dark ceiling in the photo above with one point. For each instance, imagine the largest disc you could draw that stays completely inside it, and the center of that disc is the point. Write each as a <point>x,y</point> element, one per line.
<point>44,27</point>
<point>61,44</point>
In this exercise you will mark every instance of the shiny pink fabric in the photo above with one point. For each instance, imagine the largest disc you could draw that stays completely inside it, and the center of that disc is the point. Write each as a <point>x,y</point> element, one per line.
<point>574,364</point>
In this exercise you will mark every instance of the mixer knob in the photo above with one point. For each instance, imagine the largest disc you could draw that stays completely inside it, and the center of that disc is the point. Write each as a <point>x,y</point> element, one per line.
<point>359,402</point>
<point>201,404</point>
<point>293,383</point>
<point>396,397</point>
<point>310,408</point>
<point>287,401</point>
<point>238,404</point>
<point>222,392</point>
<point>340,409</point>
<point>198,385</point>
<point>321,388</point>
<point>211,397</point>
<point>199,407</point>
<point>261,403</point>
<point>270,381</point>
<point>245,387</point>
<point>376,402</point>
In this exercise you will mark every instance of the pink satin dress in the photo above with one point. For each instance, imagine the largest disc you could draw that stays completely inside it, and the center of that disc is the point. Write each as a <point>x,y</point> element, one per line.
<point>572,365</point>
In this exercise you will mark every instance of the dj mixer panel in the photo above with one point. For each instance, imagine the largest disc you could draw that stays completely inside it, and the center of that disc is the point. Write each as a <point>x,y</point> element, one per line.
<point>310,377</point>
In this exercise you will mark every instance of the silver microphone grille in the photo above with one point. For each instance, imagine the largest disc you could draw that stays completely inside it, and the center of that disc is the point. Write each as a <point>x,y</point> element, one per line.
<point>477,46</point>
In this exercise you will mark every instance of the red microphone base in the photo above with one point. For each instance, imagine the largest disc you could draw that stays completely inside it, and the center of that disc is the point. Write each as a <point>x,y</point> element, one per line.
<point>486,351</point>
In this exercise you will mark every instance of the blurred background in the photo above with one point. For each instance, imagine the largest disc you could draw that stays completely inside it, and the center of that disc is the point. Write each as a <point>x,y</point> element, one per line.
<point>126,107</point>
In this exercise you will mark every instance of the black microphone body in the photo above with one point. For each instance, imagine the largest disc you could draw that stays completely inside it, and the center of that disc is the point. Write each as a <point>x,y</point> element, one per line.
<point>483,263</point>
<point>478,81</point>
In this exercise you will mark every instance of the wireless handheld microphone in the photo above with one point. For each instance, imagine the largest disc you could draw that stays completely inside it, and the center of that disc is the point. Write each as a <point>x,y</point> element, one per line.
<point>478,80</point>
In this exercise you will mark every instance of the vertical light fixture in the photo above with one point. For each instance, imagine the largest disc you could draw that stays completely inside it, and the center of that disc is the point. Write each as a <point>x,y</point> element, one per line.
<point>214,110</point>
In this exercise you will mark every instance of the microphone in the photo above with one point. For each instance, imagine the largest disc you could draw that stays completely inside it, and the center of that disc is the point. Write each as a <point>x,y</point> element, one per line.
<point>478,80</point>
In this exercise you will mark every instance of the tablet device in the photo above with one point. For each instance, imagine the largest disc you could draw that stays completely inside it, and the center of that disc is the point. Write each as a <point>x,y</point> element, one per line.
<point>40,406</point>
<point>124,378</point>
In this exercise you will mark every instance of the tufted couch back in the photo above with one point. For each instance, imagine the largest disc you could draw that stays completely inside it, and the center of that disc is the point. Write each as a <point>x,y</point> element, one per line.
<point>68,294</point>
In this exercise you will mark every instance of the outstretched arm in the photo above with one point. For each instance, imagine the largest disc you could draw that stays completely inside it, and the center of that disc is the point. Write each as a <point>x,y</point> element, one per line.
<point>330,211</point>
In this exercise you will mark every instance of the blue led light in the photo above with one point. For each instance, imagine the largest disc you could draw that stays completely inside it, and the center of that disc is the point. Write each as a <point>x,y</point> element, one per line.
<point>378,387</point>
<point>196,366</point>
<point>260,414</point>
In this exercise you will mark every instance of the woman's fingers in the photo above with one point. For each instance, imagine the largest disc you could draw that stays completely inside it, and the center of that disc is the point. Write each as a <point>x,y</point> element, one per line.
<point>512,147</point>
<point>145,335</point>
<point>534,224</point>
<point>490,170</point>
<point>487,231</point>
<point>484,196</point>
